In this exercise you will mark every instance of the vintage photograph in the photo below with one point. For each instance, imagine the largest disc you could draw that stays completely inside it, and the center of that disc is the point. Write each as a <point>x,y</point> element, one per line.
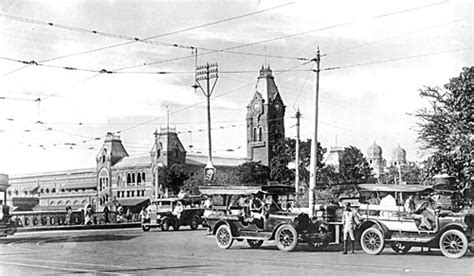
<point>236,137</point>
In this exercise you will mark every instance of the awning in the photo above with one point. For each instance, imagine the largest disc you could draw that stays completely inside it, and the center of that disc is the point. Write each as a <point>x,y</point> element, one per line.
<point>83,185</point>
<point>229,190</point>
<point>393,188</point>
<point>131,201</point>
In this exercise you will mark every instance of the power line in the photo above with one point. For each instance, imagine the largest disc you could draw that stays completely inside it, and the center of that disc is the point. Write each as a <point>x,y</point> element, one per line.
<point>396,59</point>
<point>284,37</point>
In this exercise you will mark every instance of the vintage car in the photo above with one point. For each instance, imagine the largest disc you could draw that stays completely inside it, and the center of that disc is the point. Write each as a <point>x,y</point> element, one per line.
<point>451,232</point>
<point>161,213</point>
<point>228,221</point>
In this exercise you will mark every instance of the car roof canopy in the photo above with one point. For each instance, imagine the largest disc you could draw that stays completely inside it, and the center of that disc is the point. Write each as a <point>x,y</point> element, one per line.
<point>229,190</point>
<point>393,188</point>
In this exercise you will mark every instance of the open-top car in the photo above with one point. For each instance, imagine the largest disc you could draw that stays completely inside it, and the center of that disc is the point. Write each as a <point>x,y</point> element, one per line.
<point>174,212</point>
<point>233,218</point>
<point>450,232</point>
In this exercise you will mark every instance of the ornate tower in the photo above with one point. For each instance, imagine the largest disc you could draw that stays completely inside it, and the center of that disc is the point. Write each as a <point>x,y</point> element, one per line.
<point>376,161</point>
<point>265,118</point>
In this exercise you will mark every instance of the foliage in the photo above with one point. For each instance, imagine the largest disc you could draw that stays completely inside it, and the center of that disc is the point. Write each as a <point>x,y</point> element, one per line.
<point>411,174</point>
<point>284,152</point>
<point>253,173</point>
<point>354,168</point>
<point>446,128</point>
<point>173,177</point>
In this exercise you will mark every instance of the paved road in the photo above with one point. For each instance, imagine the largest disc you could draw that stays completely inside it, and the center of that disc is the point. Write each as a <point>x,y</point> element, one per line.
<point>131,251</point>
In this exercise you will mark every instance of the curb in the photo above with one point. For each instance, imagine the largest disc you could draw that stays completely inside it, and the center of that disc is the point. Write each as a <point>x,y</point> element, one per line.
<point>80,227</point>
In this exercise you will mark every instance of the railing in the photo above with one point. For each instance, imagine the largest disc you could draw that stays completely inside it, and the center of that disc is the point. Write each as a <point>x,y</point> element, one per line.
<point>58,218</point>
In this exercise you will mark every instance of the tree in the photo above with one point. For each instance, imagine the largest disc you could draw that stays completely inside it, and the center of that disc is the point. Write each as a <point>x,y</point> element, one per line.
<point>284,152</point>
<point>411,173</point>
<point>253,173</point>
<point>445,129</point>
<point>354,168</point>
<point>173,177</point>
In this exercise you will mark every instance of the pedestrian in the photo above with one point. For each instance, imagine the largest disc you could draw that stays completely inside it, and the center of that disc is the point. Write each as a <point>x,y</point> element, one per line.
<point>410,205</point>
<point>88,214</point>
<point>119,213</point>
<point>67,221</point>
<point>106,214</point>
<point>350,221</point>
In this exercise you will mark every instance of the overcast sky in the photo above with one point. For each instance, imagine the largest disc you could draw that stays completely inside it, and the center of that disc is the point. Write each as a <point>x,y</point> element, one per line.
<point>387,50</point>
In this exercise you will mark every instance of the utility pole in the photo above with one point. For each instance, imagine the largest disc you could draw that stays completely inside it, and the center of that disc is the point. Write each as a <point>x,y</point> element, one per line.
<point>207,72</point>
<point>314,139</point>
<point>157,152</point>
<point>297,154</point>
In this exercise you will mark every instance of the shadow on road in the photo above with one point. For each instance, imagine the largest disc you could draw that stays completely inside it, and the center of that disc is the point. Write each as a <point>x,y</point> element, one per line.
<point>164,268</point>
<point>88,238</point>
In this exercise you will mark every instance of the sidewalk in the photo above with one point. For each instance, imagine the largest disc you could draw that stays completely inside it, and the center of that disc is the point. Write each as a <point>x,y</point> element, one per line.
<point>80,227</point>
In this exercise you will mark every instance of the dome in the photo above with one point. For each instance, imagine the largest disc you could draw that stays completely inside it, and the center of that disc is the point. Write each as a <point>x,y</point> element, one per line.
<point>374,151</point>
<point>399,154</point>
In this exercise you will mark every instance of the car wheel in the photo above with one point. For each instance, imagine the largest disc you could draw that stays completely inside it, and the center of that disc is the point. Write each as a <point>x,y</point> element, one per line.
<point>317,244</point>
<point>400,247</point>
<point>224,237</point>
<point>372,241</point>
<point>165,225</point>
<point>145,228</point>
<point>286,238</point>
<point>194,223</point>
<point>255,243</point>
<point>453,244</point>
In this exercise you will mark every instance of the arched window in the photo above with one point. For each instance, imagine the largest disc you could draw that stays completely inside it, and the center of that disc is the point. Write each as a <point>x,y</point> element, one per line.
<point>143,177</point>
<point>103,158</point>
<point>254,134</point>
<point>76,201</point>
<point>51,202</point>
<point>53,190</point>
<point>16,192</point>
<point>84,201</point>
<point>118,194</point>
<point>128,193</point>
<point>133,193</point>
<point>9,193</point>
<point>62,190</point>
<point>129,179</point>
<point>68,202</point>
<point>59,202</point>
<point>139,178</point>
<point>133,178</point>
<point>47,190</point>
<point>260,134</point>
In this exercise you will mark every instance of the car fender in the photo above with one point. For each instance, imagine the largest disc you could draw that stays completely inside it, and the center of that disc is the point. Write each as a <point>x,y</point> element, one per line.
<point>233,229</point>
<point>275,229</point>
<point>457,226</point>
<point>370,223</point>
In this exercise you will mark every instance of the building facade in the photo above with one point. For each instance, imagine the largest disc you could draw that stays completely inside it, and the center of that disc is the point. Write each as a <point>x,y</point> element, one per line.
<point>265,118</point>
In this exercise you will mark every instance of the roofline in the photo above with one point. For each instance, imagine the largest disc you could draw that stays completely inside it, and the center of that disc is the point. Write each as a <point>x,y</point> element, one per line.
<point>51,173</point>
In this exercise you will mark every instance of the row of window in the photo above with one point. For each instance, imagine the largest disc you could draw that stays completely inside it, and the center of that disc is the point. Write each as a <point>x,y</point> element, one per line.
<point>42,191</point>
<point>132,178</point>
<point>131,193</point>
<point>68,202</point>
<point>259,136</point>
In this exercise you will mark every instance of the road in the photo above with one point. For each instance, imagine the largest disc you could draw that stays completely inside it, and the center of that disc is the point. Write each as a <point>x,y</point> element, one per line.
<point>131,251</point>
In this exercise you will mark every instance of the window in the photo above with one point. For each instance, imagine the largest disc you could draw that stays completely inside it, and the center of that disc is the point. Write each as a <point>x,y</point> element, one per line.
<point>128,193</point>
<point>129,179</point>
<point>254,134</point>
<point>76,201</point>
<point>16,192</point>
<point>143,177</point>
<point>62,190</point>
<point>139,178</point>
<point>123,193</point>
<point>59,202</point>
<point>47,190</point>
<point>133,178</point>
<point>42,191</point>
<point>260,134</point>
<point>51,202</point>
<point>9,193</point>
<point>25,192</point>
<point>103,158</point>
<point>68,202</point>
<point>118,194</point>
<point>53,190</point>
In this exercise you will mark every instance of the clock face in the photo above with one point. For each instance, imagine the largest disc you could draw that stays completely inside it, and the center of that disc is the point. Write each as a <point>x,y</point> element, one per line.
<point>256,107</point>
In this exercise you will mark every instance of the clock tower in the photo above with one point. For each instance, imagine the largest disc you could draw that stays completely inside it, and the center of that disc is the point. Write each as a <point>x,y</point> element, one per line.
<point>265,119</point>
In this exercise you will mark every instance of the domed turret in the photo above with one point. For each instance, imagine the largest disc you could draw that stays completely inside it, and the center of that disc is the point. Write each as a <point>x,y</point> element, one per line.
<point>399,156</point>
<point>374,151</point>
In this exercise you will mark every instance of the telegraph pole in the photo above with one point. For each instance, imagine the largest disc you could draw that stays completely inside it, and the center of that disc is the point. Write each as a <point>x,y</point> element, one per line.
<point>207,72</point>
<point>297,154</point>
<point>314,140</point>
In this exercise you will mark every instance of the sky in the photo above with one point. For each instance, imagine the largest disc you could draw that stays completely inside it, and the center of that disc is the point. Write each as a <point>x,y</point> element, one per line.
<point>380,52</point>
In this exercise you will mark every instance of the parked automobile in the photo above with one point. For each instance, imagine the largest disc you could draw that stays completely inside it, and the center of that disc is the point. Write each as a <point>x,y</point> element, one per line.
<point>230,221</point>
<point>451,232</point>
<point>7,226</point>
<point>164,214</point>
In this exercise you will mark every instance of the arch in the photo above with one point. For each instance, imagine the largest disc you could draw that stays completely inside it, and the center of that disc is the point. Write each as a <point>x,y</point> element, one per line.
<point>139,178</point>
<point>42,191</point>
<point>53,190</point>
<point>76,201</point>
<point>52,202</point>
<point>129,179</point>
<point>255,134</point>
<point>260,134</point>
<point>59,202</point>
<point>118,194</point>
<point>133,178</point>
<point>47,190</point>
<point>16,192</point>
<point>84,201</point>
<point>128,193</point>
<point>9,193</point>
<point>68,202</point>
<point>62,190</point>
<point>143,177</point>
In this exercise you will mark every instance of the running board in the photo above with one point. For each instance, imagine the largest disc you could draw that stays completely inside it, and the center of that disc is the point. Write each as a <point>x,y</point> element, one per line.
<point>252,238</point>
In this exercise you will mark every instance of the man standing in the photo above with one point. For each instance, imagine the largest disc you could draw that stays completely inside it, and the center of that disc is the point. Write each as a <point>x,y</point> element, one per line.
<point>349,223</point>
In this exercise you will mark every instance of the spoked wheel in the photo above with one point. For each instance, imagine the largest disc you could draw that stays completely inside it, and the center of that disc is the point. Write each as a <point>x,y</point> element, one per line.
<point>400,247</point>
<point>145,228</point>
<point>453,244</point>
<point>224,237</point>
<point>372,241</point>
<point>194,223</point>
<point>317,244</point>
<point>165,225</point>
<point>286,238</point>
<point>255,243</point>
